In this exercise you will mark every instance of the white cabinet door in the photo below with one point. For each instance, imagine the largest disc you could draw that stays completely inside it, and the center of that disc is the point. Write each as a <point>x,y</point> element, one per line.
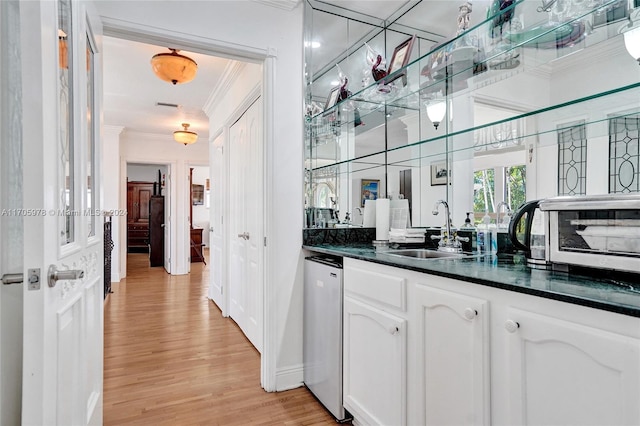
<point>563,373</point>
<point>374,364</point>
<point>451,382</point>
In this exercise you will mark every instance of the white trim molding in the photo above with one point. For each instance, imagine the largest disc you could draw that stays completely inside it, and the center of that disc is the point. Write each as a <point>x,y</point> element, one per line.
<point>289,377</point>
<point>229,76</point>
<point>280,4</point>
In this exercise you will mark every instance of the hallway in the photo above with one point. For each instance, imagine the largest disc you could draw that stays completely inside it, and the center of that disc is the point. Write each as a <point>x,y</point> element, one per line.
<point>170,358</point>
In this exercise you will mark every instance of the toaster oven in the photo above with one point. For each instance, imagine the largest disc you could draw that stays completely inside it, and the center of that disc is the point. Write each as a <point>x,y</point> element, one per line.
<point>594,231</point>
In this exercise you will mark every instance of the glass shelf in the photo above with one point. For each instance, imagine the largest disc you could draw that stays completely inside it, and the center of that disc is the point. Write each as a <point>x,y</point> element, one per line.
<point>513,85</point>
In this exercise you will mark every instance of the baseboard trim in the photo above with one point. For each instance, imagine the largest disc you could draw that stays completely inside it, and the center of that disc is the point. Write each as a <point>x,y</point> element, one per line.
<point>289,377</point>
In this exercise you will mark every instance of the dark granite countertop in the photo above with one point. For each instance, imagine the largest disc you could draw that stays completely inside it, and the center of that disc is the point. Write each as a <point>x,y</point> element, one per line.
<point>510,272</point>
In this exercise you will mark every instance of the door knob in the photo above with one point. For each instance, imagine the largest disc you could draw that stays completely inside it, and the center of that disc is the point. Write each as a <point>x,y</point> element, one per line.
<point>244,235</point>
<point>54,275</point>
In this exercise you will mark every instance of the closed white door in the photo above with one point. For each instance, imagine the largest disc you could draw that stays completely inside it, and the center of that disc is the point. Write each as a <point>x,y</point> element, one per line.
<point>246,223</point>
<point>63,247</point>
<point>216,219</point>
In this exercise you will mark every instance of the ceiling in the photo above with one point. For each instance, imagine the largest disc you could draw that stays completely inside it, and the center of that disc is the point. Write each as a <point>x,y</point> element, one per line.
<point>132,91</point>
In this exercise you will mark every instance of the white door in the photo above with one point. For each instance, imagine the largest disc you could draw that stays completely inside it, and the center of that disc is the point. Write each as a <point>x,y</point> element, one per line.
<point>216,220</point>
<point>246,223</point>
<point>10,224</point>
<point>62,364</point>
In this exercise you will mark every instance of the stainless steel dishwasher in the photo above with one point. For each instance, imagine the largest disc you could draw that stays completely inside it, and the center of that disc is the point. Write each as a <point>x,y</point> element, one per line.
<point>322,326</point>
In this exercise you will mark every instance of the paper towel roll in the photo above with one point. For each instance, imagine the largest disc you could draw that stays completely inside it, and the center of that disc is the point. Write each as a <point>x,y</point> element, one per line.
<point>382,219</point>
<point>369,216</point>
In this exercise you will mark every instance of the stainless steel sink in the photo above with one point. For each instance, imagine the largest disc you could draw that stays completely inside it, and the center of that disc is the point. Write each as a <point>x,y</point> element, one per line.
<point>424,254</point>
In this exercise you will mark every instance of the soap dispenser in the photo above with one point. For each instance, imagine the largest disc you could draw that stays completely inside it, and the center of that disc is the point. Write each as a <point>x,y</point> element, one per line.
<point>467,222</point>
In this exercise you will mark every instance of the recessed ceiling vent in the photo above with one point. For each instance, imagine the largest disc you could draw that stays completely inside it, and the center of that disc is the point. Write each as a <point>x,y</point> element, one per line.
<point>165,104</point>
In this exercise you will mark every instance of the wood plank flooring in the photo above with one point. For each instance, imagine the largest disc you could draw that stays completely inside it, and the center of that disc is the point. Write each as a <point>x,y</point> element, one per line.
<point>170,358</point>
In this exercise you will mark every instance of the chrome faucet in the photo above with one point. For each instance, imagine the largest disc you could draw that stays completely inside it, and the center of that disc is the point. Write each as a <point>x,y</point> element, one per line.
<point>506,211</point>
<point>449,242</point>
<point>447,218</point>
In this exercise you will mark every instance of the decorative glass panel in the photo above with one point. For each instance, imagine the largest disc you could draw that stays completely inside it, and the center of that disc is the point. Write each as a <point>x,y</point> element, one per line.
<point>66,173</point>
<point>624,155</point>
<point>91,143</point>
<point>572,160</point>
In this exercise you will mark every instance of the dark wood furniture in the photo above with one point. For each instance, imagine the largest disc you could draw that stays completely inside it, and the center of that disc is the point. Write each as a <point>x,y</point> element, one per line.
<point>196,245</point>
<point>156,230</point>
<point>138,196</point>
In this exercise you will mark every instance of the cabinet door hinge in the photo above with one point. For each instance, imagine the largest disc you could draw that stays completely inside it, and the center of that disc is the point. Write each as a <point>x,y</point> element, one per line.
<point>265,241</point>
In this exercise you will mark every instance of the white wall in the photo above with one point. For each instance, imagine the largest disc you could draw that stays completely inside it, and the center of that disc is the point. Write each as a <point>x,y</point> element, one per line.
<point>249,26</point>
<point>111,194</point>
<point>145,172</point>
<point>162,149</point>
<point>201,212</point>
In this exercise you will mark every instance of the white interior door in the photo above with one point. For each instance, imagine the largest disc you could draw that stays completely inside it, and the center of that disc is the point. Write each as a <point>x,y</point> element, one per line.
<point>63,327</point>
<point>237,223</point>
<point>216,234</point>
<point>247,223</point>
<point>11,297</point>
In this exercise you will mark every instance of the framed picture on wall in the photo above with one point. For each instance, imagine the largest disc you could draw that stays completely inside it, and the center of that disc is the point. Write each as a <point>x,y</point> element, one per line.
<point>439,173</point>
<point>198,194</point>
<point>400,58</point>
<point>369,190</point>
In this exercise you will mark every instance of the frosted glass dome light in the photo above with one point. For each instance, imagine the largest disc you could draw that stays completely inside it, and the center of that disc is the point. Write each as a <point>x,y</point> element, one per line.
<point>436,110</point>
<point>632,42</point>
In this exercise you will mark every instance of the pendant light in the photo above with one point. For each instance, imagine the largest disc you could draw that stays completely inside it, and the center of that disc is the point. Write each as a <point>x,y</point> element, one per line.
<point>436,110</point>
<point>631,34</point>
<point>185,136</point>
<point>174,67</point>
<point>632,43</point>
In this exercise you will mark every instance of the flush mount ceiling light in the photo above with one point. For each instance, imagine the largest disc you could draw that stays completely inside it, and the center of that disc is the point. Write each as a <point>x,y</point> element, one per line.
<point>436,110</point>
<point>185,136</point>
<point>174,67</point>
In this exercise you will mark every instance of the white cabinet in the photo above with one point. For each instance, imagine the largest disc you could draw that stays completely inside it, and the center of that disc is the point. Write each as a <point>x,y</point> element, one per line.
<point>476,355</point>
<point>451,382</point>
<point>374,364</point>
<point>563,373</point>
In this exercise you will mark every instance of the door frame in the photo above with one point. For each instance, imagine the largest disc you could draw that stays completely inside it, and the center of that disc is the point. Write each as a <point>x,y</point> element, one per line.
<point>266,56</point>
<point>171,190</point>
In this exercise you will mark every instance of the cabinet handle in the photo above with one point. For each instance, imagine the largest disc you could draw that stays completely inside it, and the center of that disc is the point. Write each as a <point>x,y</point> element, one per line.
<point>393,329</point>
<point>511,326</point>
<point>470,313</point>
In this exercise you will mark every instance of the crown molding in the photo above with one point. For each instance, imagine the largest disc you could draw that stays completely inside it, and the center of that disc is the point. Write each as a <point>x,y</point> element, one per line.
<point>229,76</point>
<point>280,4</point>
<point>112,130</point>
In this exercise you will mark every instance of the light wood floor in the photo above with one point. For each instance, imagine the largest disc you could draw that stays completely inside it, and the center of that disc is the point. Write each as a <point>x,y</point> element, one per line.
<point>171,359</point>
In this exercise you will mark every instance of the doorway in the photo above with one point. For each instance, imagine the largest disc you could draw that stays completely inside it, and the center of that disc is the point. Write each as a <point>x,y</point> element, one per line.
<point>148,226</point>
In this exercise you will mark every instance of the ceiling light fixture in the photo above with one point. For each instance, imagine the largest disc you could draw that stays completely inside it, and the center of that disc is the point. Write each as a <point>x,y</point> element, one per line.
<point>185,136</point>
<point>174,67</point>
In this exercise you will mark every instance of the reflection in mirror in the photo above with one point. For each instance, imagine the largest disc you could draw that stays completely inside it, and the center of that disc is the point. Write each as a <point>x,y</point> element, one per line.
<point>91,143</point>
